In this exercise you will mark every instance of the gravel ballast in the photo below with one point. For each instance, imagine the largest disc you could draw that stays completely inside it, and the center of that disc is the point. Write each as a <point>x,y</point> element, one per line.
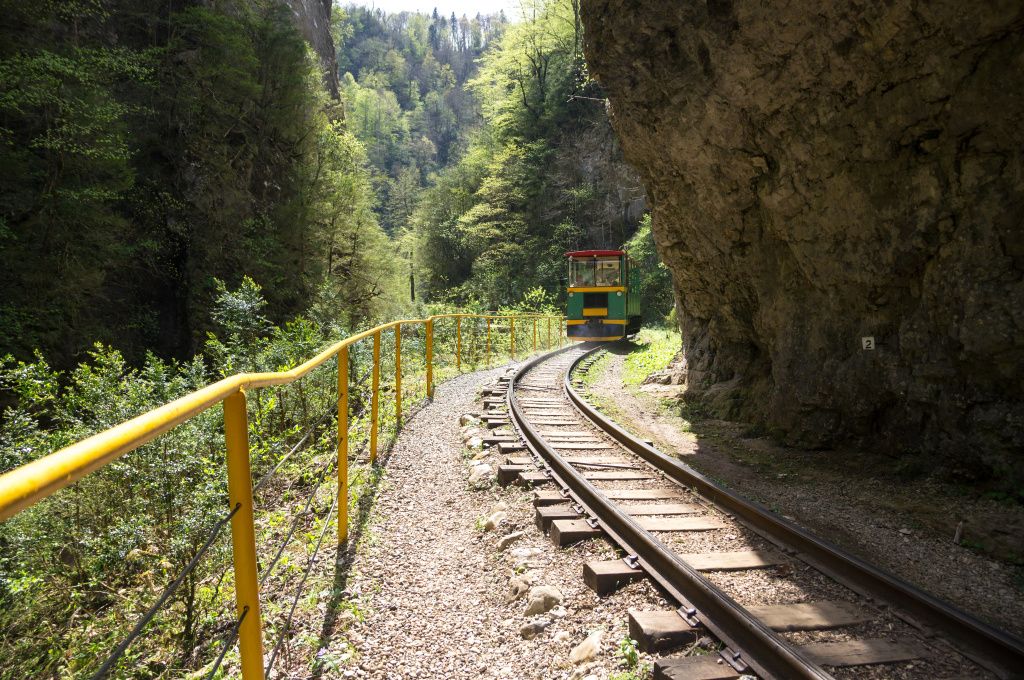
<point>451,578</point>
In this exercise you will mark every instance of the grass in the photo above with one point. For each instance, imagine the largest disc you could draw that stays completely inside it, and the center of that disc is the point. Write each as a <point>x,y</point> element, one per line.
<point>591,375</point>
<point>654,350</point>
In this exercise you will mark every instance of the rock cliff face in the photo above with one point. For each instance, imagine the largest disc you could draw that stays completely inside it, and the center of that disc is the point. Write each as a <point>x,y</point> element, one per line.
<point>826,172</point>
<point>313,18</point>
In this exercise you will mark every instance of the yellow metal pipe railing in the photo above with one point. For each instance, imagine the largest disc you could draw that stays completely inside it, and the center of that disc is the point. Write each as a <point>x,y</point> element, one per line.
<point>375,399</point>
<point>429,350</point>
<point>30,483</point>
<point>343,444</point>
<point>243,536</point>
<point>398,376</point>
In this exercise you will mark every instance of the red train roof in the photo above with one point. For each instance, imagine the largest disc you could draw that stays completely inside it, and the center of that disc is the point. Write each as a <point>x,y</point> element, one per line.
<point>595,253</point>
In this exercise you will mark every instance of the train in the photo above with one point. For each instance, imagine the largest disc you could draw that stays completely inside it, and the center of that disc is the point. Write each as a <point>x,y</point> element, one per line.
<point>603,304</point>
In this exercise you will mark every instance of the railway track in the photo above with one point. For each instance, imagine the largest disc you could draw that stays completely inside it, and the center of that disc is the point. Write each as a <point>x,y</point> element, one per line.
<point>700,542</point>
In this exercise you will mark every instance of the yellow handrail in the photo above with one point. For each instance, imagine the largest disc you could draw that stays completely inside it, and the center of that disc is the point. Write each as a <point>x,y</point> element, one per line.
<point>32,482</point>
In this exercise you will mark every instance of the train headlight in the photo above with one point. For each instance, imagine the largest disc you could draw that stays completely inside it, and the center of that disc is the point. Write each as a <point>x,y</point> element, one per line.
<point>618,293</point>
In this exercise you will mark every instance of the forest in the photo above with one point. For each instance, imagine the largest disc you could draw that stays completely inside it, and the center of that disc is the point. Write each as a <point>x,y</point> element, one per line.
<point>182,199</point>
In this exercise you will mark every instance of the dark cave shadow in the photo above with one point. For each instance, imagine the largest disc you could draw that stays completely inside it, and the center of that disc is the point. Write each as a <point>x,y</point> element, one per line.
<point>619,347</point>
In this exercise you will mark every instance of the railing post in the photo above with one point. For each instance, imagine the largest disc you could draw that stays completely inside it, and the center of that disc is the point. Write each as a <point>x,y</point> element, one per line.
<point>343,444</point>
<point>398,376</point>
<point>375,398</point>
<point>534,334</point>
<point>458,344</point>
<point>488,342</point>
<point>243,537</point>
<point>512,328</point>
<point>430,358</point>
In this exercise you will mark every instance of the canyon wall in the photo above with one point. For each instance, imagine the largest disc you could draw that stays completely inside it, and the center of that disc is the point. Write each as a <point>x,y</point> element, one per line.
<point>822,173</point>
<point>313,17</point>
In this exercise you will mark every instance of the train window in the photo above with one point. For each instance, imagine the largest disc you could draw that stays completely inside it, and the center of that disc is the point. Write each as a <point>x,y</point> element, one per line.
<point>581,273</point>
<point>608,272</point>
<point>593,272</point>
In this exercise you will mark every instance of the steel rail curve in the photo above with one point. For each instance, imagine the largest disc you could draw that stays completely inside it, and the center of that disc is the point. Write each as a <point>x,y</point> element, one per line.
<point>750,643</point>
<point>994,649</point>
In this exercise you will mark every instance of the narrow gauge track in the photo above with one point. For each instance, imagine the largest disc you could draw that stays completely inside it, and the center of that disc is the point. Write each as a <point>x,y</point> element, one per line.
<point>607,482</point>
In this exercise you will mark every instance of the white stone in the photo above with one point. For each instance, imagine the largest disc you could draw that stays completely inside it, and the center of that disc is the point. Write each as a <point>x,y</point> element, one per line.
<point>541,599</point>
<point>470,419</point>
<point>524,553</point>
<point>588,649</point>
<point>519,586</point>
<point>481,476</point>
<point>494,520</point>
<point>584,670</point>
<point>509,539</point>
<point>524,557</point>
<point>532,629</point>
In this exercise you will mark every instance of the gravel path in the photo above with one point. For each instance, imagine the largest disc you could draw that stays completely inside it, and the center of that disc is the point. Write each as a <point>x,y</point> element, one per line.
<point>433,588</point>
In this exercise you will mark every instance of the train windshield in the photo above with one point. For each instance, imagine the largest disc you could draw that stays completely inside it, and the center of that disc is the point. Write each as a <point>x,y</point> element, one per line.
<point>594,272</point>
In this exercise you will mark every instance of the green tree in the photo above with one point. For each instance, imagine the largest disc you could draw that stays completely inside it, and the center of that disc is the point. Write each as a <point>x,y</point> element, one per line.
<point>65,107</point>
<point>654,281</point>
<point>541,176</point>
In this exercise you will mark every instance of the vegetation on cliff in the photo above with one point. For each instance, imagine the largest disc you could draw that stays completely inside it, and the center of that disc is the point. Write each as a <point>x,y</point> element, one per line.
<point>541,175</point>
<point>147,152</point>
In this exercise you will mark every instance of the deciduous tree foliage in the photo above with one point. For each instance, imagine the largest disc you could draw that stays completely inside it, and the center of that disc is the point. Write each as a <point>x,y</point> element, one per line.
<point>148,148</point>
<point>77,569</point>
<point>654,283</point>
<point>403,83</point>
<point>540,176</point>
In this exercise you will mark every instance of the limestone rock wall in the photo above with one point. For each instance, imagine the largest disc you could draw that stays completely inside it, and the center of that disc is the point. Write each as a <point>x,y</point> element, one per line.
<point>823,172</point>
<point>313,18</point>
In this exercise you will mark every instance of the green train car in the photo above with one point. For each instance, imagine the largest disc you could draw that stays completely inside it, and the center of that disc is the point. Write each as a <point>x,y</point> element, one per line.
<point>602,305</point>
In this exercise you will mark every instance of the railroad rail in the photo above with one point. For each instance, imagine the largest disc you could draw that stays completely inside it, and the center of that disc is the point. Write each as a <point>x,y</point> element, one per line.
<point>610,483</point>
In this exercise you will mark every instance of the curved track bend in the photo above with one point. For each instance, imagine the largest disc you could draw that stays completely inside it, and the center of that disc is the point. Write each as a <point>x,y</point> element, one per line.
<point>595,479</point>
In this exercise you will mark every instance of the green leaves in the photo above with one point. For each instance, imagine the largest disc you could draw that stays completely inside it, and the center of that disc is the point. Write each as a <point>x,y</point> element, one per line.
<point>652,280</point>
<point>540,177</point>
<point>239,312</point>
<point>116,537</point>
